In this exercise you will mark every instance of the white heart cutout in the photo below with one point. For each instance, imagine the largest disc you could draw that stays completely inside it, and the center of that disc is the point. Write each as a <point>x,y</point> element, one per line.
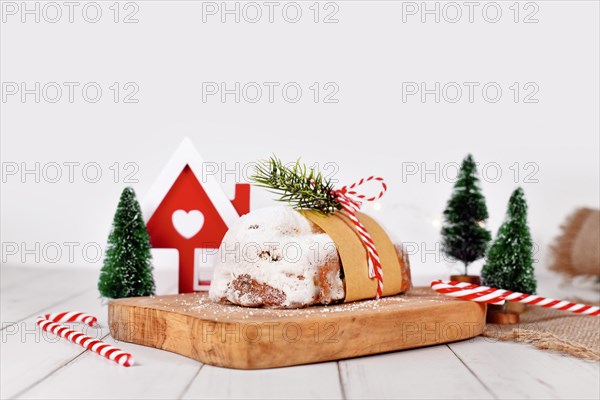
<point>188,224</point>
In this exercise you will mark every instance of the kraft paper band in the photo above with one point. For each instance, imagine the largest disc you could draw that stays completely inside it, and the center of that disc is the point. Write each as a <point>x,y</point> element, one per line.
<point>354,255</point>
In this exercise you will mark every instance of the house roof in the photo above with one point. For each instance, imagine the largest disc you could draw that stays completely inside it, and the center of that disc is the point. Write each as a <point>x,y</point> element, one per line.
<point>186,154</point>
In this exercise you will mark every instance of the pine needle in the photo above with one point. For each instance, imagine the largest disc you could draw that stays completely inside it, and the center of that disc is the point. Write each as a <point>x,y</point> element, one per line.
<point>299,186</point>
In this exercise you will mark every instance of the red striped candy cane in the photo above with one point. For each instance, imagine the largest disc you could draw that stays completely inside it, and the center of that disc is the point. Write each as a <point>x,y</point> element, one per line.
<point>71,316</point>
<point>490,295</point>
<point>351,202</point>
<point>49,323</point>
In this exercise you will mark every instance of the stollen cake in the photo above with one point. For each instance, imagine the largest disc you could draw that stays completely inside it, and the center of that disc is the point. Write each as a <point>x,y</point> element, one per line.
<point>275,257</point>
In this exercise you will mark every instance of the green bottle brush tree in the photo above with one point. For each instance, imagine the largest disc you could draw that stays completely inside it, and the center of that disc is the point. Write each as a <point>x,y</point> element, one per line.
<point>127,269</point>
<point>464,236</point>
<point>509,262</point>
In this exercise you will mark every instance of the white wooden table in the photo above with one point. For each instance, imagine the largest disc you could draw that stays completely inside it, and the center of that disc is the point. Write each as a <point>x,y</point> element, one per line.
<point>36,365</point>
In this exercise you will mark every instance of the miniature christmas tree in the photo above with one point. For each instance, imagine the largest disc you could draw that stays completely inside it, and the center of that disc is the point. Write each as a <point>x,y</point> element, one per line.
<point>510,260</point>
<point>464,237</point>
<point>127,269</point>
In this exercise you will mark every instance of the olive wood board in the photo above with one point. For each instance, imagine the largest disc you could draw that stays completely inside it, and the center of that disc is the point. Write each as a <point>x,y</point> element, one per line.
<point>254,338</point>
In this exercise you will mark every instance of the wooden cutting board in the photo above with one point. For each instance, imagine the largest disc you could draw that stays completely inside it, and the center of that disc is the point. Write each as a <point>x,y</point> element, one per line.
<point>254,338</point>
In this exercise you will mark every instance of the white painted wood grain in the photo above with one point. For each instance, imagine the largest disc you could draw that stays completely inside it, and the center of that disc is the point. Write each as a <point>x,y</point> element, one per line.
<point>29,355</point>
<point>26,291</point>
<point>53,368</point>
<point>47,289</point>
<point>520,371</point>
<point>156,375</point>
<point>431,372</point>
<point>315,381</point>
<point>12,275</point>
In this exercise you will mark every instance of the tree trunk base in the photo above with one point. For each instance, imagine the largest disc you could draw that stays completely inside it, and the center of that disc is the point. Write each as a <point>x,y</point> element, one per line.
<point>517,308</point>
<point>473,279</point>
<point>501,316</point>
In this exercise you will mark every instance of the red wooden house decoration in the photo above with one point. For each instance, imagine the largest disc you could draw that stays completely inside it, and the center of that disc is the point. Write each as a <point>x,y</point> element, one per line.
<point>188,211</point>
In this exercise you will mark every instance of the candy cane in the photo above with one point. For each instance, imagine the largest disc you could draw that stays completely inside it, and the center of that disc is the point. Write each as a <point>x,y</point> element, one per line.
<point>49,323</point>
<point>71,316</point>
<point>490,295</point>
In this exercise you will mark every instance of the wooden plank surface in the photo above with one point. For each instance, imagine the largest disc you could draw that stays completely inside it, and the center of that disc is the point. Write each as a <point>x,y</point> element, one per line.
<point>239,337</point>
<point>315,381</point>
<point>481,368</point>
<point>519,371</point>
<point>432,372</point>
<point>30,355</point>
<point>23,298</point>
<point>156,375</point>
<point>11,276</point>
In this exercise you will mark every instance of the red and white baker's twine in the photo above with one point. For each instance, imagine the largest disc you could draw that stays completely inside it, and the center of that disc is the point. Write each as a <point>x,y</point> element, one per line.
<point>49,323</point>
<point>351,202</point>
<point>485,294</point>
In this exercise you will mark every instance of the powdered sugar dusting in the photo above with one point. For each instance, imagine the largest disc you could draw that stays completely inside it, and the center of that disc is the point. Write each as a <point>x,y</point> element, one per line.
<point>276,247</point>
<point>202,307</point>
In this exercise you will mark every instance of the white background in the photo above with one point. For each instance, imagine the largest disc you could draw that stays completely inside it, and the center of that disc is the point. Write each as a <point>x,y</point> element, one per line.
<point>368,54</point>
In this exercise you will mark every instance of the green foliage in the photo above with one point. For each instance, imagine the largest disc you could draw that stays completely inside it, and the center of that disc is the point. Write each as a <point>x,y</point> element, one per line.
<point>510,260</point>
<point>127,269</point>
<point>464,237</point>
<point>298,186</point>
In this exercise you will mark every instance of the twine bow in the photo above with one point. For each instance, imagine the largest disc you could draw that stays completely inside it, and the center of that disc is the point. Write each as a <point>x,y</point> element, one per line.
<point>351,202</point>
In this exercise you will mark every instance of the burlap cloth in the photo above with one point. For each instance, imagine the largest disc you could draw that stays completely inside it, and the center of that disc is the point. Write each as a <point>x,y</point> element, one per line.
<point>560,331</point>
<point>576,251</point>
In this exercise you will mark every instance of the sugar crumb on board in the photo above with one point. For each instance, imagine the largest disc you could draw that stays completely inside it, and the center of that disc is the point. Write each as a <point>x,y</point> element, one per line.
<point>201,306</point>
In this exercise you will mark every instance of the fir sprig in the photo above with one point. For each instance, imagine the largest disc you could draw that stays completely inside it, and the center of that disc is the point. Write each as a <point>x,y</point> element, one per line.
<point>299,186</point>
